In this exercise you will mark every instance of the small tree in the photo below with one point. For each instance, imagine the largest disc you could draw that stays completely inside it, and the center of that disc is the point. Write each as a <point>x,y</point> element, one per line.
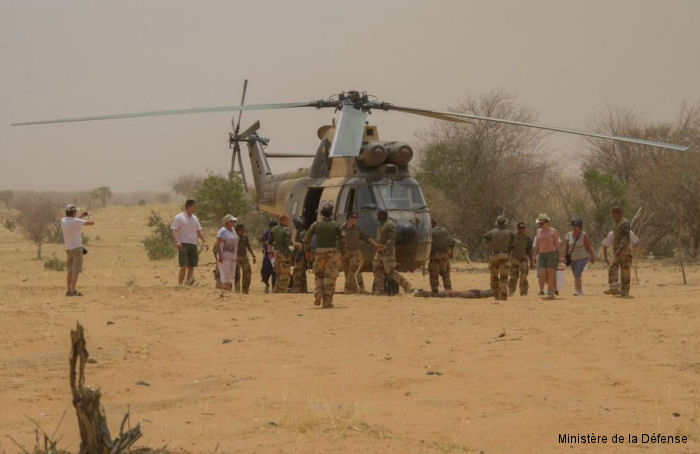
<point>159,245</point>
<point>103,193</point>
<point>7,197</point>
<point>606,192</point>
<point>472,172</point>
<point>217,196</point>
<point>37,217</point>
<point>186,185</point>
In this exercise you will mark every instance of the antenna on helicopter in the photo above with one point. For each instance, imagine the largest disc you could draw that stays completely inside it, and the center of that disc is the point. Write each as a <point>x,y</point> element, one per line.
<point>234,138</point>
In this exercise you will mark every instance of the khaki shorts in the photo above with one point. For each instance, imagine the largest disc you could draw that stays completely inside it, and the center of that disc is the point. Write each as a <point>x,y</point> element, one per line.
<point>548,260</point>
<point>74,260</point>
<point>188,255</point>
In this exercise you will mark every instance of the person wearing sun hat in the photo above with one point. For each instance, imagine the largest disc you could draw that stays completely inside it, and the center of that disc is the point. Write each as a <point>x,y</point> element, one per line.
<point>548,251</point>
<point>579,250</point>
<point>226,245</point>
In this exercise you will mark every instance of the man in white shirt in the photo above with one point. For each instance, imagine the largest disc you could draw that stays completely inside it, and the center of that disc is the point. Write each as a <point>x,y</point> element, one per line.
<point>186,228</point>
<point>71,226</point>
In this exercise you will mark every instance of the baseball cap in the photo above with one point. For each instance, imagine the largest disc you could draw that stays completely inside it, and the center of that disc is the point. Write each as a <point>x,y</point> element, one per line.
<point>71,207</point>
<point>230,217</point>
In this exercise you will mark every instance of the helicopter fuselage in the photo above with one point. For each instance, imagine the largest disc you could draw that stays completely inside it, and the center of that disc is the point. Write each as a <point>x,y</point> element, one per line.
<point>379,184</point>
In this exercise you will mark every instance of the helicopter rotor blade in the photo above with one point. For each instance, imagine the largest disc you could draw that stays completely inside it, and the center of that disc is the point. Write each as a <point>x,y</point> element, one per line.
<point>237,127</point>
<point>236,145</point>
<point>290,155</point>
<point>463,118</point>
<point>159,113</point>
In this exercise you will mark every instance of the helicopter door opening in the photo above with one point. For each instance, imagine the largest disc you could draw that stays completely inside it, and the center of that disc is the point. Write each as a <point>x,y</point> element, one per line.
<point>313,198</point>
<point>346,203</point>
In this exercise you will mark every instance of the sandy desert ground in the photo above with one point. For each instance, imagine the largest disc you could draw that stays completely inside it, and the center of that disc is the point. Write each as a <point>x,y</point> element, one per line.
<point>294,378</point>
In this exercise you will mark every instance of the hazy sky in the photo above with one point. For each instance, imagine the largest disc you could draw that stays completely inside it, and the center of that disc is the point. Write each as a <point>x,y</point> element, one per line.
<point>567,60</point>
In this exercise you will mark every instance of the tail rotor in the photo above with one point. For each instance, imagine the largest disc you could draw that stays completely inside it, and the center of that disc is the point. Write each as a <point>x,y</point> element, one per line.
<point>234,140</point>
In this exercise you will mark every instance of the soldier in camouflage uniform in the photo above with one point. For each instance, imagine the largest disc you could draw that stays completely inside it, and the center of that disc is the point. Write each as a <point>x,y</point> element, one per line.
<point>440,255</point>
<point>353,258</point>
<point>499,241</point>
<point>520,261</point>
<point>622,256</point>
<point>330,247</point>
<point>299,274</point>
<point>243,270</point>
<point>280,244</point>
<point>384,264</point>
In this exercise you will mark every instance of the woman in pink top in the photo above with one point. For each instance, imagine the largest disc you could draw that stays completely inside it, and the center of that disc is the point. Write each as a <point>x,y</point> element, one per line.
<point>547,246</point>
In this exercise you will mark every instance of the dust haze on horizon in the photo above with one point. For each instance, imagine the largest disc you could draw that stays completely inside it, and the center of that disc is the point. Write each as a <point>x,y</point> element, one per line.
<point>567,60</point>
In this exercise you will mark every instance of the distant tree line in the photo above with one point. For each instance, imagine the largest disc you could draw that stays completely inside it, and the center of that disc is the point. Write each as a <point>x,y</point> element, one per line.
<point>473,172</point>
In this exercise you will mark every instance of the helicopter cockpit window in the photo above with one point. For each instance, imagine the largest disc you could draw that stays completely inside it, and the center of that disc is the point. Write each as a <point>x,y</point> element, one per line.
<point>400,196</point>
<point>365,198</point>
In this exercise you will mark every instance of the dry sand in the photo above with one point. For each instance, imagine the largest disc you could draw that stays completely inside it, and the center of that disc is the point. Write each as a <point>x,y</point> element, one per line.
<point>295,378</point>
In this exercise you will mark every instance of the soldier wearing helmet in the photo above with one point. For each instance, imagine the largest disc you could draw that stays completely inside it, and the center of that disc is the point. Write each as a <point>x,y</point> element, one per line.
<point>299,273</point>
<point>281,243</point>
<point>499,241</point>
<point>330,247</point>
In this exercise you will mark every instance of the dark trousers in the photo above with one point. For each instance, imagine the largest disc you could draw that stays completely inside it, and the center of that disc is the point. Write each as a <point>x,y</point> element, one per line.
<point>268,271</point>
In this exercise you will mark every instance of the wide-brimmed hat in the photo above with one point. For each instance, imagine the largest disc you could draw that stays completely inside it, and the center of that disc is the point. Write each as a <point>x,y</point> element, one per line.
<point>71,207</point>
<point>543,218</point>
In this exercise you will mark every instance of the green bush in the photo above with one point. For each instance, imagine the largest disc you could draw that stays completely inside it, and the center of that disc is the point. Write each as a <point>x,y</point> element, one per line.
<point>218,196</point>
<point>54,263</point>
<point>9,224</point>
<point>160,244</point>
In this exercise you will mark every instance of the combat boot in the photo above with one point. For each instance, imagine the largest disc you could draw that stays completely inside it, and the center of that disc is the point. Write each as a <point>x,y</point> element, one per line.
<point>611,291</point>
<point>327,302</point>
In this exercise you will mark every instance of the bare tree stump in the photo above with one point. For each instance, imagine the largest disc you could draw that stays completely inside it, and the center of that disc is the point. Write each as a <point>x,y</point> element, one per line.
<point>94,431</point>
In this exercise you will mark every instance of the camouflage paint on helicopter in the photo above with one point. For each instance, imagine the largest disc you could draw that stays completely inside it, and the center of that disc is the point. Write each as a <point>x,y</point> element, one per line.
<point>378,178</point>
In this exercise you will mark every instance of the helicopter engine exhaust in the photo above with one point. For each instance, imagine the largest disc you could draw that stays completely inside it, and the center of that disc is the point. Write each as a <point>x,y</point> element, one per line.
<point>372,154</point>
<point>399,153</point>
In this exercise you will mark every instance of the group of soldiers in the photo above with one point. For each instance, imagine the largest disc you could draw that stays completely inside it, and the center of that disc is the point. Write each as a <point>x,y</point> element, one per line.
<point>327,245</point>
<point>511,257</point>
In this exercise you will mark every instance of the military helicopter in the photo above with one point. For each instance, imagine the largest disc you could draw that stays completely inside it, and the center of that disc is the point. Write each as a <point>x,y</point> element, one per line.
<point>352,168</point>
